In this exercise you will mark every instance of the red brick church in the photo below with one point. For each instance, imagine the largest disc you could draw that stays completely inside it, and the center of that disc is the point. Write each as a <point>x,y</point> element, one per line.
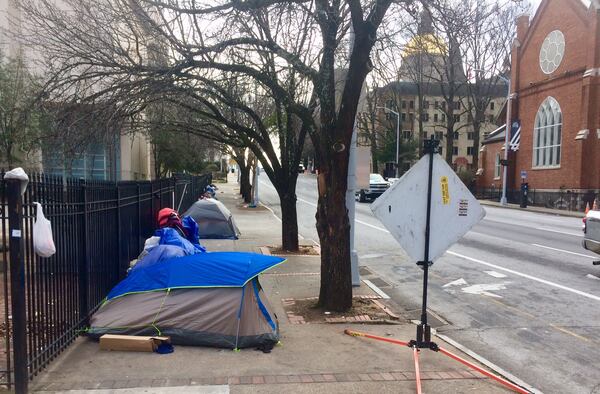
<point>555,78</point>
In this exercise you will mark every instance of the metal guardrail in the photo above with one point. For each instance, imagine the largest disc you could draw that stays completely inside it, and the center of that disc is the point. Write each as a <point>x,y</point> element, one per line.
<point>98,227</point>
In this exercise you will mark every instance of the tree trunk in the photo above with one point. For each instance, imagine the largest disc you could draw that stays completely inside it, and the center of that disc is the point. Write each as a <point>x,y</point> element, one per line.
<point>245,186</point>
<point>333,227</point>
<point>289,222</point>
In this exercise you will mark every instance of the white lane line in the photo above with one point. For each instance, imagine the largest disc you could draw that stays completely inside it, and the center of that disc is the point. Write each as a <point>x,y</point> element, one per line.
<point>565,251</point>
<point>376,289</point>
<point>307,202</point>
<point>356,220</point>
<point>495,274</point>
<point>544,281</point>
<point>592,277</point>
<point>558,231</point>
<point>273,212</point>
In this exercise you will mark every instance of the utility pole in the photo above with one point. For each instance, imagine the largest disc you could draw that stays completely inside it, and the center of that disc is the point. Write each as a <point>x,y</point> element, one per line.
<point>350,190</point>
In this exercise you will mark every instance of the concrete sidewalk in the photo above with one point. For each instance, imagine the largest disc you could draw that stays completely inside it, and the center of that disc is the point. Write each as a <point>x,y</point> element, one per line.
<point>312,358</point>
<point>530,208</point>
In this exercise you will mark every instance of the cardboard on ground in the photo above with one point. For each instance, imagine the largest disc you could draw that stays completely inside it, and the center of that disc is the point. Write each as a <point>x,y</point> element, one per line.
<point>402,209</point>
<point>131,343</point>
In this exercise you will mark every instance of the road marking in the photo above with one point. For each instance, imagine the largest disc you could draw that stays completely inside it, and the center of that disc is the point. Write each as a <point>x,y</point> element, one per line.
<point>544,281</point>
<point>510,307</point>
<point>307,202</point>
<point>592,276</point>
<point>356,220</point>
<point>495,274</point>
<point>485,362</point>
<point>485,288</point>
<point>558,231</point>
<point>376,289</point>
<point>273,212</point>
<point>565,251</point>
<point>571,333</point>
<point>372,256</point>
<point>458,282</point>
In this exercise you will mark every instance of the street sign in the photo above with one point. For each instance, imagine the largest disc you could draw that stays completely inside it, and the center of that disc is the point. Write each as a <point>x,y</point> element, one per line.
<point>523,174</point>
<point>402,209</point>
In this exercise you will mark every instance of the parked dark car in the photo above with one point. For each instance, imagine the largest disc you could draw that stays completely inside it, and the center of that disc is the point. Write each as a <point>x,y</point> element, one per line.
<point>377,186</point>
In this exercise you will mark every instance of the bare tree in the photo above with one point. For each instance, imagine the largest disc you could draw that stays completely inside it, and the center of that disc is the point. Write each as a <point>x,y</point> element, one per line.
<point>490,31</point>
<point>19,113</point>
<point>256,40</point>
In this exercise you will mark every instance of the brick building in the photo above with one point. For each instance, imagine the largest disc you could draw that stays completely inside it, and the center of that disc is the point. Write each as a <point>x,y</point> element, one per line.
<point>555,74</point>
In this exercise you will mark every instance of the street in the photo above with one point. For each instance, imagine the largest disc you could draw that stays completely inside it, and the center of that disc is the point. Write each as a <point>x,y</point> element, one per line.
<point>518,289</point>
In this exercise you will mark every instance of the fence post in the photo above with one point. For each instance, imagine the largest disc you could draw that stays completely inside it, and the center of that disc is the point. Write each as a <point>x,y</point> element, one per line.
<point>17,284</point>
<point>83,262</point>
<point>119,233</point>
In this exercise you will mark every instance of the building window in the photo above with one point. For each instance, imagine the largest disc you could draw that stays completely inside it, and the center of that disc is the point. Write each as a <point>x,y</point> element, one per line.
<point>439,135</point>
<point>456,118</point>
<point>425,117</point>
<point>470,136</point>
<point>437,105</point>
<point>403,104</point>
<point>435,117</point>
<point>444,105</point>
<point>455,135</point>
<point>497,166</point>
<point>547,134</point>
<point>411,104</point>
<point>492,105</point>
<point>443,117</point>
<point>407,134</point>
<point>455,150</point>
<point>403,116</point>
<point>426,104</point>
<point>470,150</point>
<point>411,116</point>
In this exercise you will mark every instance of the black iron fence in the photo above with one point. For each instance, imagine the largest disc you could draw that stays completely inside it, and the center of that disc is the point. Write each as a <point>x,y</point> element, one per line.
<point>98,228</point>
<point>567,200</point>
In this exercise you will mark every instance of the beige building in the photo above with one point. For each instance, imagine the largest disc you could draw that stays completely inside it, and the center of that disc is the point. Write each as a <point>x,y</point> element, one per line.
<point>129,157</point>
<point>403,97</point>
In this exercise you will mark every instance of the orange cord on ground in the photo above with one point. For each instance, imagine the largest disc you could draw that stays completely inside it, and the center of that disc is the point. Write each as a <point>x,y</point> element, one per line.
<point>453,356</point>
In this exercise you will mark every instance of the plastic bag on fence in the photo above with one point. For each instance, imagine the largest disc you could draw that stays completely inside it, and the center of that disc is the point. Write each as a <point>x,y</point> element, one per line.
<point>43,243</point>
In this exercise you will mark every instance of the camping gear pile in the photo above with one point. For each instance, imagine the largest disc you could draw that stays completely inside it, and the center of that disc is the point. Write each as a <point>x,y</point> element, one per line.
<point>179,290</point>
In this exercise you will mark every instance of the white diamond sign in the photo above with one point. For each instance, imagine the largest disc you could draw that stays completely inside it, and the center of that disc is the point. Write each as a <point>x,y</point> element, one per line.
<point>402,209</point>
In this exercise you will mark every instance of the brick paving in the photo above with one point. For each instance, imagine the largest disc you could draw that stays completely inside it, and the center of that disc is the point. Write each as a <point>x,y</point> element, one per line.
<point>389,376</point>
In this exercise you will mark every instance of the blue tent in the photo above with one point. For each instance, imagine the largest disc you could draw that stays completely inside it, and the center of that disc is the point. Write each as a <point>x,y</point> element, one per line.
<point>209,299</point>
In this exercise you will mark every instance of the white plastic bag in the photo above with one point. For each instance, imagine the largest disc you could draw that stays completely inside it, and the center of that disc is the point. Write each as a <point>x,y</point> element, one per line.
<point>43,244</point>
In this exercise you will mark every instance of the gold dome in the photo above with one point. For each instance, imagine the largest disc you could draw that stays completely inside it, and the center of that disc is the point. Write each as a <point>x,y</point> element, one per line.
<point>425,43</point>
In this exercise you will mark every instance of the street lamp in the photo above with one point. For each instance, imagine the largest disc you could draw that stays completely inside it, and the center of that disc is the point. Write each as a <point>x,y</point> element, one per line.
<point>397,135</point>
<point>503,200</point>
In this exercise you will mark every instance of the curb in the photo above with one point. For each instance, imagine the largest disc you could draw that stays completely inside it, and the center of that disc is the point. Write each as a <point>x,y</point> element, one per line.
<point>495,368</point>
<point>555,212</point>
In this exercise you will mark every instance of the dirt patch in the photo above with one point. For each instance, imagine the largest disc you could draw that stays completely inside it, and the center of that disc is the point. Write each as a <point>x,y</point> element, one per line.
<point>363,310</point>
<point>306,250</point>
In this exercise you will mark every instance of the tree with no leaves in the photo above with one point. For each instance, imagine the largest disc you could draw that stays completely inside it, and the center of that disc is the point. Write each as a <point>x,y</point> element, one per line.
<point>99,46</point>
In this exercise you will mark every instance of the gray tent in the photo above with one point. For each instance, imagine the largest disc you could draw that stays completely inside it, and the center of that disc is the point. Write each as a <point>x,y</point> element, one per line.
<point>206,299</point>
<point>214,219</point>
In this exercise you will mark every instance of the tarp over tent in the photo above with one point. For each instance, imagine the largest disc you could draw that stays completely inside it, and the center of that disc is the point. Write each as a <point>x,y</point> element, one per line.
<point>214,219</point>
<point>206,299</point>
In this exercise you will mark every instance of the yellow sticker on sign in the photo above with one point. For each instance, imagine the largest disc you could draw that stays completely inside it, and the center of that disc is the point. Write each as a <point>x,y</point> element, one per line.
<point>445,191</point>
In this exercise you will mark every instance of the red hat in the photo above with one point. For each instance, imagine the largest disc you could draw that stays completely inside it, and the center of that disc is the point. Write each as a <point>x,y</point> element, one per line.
<point>165,214</point>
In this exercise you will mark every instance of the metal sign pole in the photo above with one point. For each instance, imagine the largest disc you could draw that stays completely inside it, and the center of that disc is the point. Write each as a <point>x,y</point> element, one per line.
<point>424,330</point>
